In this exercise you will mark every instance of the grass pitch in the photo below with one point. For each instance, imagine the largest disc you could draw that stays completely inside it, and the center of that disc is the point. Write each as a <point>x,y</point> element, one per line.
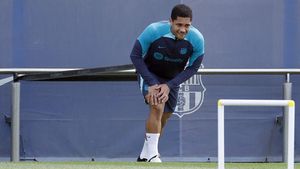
<point>134,165</point>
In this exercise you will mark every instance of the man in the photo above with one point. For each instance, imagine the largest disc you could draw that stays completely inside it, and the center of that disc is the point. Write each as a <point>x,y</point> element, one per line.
<point>165,55</point>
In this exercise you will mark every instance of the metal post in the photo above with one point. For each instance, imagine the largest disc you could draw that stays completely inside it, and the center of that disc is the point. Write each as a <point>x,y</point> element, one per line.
<point>290,104</point>
<point>291,135</point>
<point>287,95</point>
<point>15,125</point>
<point>221,139</point>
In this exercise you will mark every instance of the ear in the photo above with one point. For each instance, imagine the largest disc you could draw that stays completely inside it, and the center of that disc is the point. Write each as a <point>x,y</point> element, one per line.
<point>171,21</point>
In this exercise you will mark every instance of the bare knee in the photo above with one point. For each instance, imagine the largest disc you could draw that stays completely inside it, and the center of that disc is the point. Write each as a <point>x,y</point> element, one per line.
<point>157,111</point>
<point>157,108</point>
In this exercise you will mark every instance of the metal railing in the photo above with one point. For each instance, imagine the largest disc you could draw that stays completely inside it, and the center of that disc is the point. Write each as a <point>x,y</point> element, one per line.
<point>128,75</point>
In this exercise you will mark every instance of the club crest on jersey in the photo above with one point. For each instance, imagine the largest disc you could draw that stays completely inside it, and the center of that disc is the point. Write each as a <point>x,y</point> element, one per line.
<point>190,96</point>
<point>183,51</point>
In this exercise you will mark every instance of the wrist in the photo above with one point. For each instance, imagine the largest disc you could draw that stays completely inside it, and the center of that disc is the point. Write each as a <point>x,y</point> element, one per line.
<point>169,84</point>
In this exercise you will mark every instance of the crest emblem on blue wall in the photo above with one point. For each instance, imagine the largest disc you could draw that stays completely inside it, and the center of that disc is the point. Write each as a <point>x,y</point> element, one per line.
<point>183,51</point>
<point>190,96</point>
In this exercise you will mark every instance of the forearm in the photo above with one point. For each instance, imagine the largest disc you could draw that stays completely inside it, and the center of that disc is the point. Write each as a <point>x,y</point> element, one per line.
<point>186,74</point>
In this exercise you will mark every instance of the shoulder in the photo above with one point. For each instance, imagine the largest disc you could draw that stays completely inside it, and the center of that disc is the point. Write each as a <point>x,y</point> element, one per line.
<point>159,27</point>
<point>156,30</point>
<point>195,36</point>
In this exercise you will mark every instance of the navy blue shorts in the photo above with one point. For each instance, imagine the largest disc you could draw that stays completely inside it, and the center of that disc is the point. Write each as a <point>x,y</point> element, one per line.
<point>172,101</point>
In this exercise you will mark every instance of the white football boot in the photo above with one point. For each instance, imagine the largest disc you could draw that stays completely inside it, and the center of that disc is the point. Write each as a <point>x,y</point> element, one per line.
<point>155,159</point>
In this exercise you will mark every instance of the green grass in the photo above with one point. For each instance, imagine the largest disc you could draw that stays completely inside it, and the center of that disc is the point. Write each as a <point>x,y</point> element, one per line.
<point>133,165</point>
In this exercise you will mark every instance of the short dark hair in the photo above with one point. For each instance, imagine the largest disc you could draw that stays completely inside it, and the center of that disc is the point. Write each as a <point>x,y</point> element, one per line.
<point>181,10</point>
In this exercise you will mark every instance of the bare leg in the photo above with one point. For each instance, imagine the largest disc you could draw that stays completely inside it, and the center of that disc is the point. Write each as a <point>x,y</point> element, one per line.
<point>164,120</point>
<point>154,121</point>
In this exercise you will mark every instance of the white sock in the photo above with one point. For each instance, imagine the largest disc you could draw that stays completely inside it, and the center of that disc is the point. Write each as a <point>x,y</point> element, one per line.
<point>144,153</point>
<point>152,140</point>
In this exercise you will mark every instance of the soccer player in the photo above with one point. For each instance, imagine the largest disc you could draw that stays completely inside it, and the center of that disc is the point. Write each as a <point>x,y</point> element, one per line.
<point>165,54</point>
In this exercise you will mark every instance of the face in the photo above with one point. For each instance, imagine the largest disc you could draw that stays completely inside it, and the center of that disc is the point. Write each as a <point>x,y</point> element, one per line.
<point>180,26</point>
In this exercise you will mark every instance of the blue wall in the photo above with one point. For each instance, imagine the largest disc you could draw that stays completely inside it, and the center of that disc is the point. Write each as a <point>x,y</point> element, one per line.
<point>65,33</point>
<point>87,120</point>
<point>6,34</point>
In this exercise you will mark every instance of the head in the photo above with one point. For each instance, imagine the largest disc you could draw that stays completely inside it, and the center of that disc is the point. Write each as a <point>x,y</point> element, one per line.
<point>181,20</point>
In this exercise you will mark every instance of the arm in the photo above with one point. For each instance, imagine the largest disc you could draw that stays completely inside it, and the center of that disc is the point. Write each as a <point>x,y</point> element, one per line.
<point>140,66</point>
<point>187,73</point>
<point>139,50</point>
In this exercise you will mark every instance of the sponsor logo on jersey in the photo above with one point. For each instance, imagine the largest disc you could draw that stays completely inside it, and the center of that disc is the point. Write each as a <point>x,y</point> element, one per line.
<point>159,56</point>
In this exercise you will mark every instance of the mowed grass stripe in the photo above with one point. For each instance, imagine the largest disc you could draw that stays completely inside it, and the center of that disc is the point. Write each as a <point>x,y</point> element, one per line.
<point>133,165</point>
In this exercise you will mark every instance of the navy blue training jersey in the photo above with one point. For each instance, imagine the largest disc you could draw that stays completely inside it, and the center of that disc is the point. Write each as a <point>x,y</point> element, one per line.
<point>157,52</point>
